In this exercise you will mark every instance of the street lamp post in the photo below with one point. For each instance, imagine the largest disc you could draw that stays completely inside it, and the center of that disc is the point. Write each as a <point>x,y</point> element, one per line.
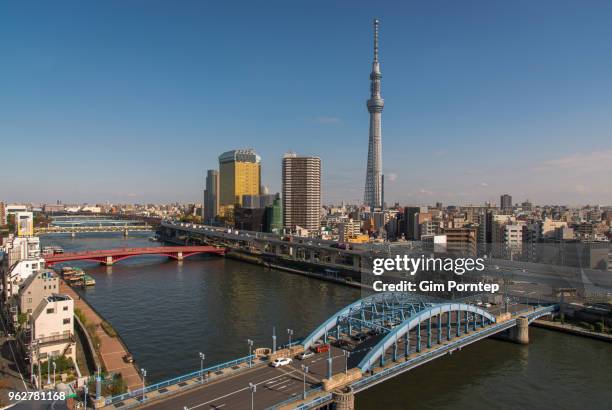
<point>250,343</point>
<point>273,339</point>
<point>39,366</point>
<point>346,355</point>
<point>290,333</point>
<point>253,388</point>
<point>54,373</point>
<point>202,357</point>
<point>48,370</point>
<point>144,374</point>
<point>305,370</point>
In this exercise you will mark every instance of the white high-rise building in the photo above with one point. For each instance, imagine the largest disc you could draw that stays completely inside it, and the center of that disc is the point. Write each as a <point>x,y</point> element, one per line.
<point>373,195</point>
<point>301,192</point>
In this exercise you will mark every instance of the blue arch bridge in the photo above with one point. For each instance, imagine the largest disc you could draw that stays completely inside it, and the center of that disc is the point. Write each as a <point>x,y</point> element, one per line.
<point>369,341</point>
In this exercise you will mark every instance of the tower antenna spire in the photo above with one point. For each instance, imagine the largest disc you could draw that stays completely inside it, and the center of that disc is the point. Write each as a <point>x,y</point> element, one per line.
<point>376,22</point>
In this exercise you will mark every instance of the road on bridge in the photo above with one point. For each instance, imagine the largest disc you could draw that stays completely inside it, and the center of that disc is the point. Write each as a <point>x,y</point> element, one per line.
<point>274,385</point>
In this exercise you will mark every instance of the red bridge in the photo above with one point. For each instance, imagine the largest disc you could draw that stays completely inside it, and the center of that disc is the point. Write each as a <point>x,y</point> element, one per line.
<point>110,256</point>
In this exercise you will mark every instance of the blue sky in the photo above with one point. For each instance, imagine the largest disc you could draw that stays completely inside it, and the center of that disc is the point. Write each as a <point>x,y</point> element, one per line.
<point>132,100</point>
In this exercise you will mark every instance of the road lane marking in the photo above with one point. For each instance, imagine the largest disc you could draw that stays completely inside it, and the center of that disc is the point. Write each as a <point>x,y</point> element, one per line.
<point>238,391</point>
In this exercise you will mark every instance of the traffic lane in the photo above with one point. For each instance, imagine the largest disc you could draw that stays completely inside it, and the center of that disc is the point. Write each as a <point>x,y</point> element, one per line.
<point>283,384</point>
<point>274,385</point>
<point>215,390</point>
<point>317,365</point>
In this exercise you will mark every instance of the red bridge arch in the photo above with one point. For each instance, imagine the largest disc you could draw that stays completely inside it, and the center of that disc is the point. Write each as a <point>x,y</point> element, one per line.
<point>110,256</point>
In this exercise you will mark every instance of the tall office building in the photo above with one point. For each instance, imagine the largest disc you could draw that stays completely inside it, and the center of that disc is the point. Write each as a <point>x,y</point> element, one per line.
<point>301,192</point>
<point>211,196</point>
<point>2,214</point>
<point>373,185</point>
<point>505,202</point>
<point>239,174</point>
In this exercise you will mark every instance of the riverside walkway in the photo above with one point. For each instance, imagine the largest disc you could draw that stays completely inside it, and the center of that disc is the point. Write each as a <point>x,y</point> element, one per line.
<point>111,349</point>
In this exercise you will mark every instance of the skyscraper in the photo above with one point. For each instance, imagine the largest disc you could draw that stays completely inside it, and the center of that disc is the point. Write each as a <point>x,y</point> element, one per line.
<point>211,196</point>
<point>505,202</point>
<point>373,184</point>
<point>301,192</point>
<point>239,174</point>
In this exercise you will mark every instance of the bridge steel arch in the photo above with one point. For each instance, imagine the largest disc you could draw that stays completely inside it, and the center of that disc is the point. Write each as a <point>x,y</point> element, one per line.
<point>398,304</point>
<point>414,321</point>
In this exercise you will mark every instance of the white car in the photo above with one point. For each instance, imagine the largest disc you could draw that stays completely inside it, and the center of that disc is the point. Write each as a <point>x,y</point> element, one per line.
<point>306,354</point>
<point>281,361</point>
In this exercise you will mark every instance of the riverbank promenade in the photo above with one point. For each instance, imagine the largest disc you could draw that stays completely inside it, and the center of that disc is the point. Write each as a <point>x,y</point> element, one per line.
<point>111,349</point>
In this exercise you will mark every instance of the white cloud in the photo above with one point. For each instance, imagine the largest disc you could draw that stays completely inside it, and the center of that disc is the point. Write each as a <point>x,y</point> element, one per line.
<point>596,160</point>
<point>391,177</point>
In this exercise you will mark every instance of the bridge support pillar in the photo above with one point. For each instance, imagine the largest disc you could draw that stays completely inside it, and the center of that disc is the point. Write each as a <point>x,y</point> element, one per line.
<point>344,400</point>
<point>520,333</point>
<point>179,256</point>
<point>109,261</point>
<point>126,233</point>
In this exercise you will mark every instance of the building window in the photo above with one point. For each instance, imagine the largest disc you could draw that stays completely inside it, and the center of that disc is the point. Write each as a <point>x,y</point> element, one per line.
<point>67,321</point>
<point>29,300</point>
<point>65,308</point>
<point>50,311</point>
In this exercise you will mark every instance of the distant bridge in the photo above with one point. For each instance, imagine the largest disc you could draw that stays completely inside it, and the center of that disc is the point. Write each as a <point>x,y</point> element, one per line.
<point>110,256</point>
<point>373,339</point>
<point>93,228</point>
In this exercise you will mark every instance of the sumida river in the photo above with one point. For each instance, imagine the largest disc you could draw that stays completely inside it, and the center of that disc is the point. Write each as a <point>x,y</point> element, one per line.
<point>167,312</point>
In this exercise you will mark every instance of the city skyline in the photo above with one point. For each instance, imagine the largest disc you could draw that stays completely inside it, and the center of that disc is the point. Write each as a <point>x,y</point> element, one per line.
<point>524,109</point>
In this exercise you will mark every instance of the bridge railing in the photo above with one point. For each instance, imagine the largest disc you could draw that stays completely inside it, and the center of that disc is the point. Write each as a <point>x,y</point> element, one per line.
<point>189,376</point>
<point>316,402</point>
<point>298,396</point>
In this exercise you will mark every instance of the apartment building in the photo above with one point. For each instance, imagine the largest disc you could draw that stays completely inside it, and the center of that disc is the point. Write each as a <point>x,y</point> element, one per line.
<point>52,329</point>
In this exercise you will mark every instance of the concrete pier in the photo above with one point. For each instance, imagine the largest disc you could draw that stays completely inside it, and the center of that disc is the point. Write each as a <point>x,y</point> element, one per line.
<point>344,399</point>
<point>520,333</point>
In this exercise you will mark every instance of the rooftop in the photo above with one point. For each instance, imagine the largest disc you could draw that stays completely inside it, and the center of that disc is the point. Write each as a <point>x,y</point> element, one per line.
<point>58,298</point>
<point>240,155</point>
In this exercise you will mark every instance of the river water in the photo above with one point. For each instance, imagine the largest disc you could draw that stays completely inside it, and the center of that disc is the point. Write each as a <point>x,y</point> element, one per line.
<point>167,312</point>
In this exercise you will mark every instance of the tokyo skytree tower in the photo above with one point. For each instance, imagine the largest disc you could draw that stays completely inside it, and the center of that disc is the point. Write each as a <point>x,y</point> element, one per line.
<point>373,195</point>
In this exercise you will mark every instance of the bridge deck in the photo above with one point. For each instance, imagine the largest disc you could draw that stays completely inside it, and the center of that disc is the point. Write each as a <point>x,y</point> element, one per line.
<point>285,385</point>
<point>274,385</point>
<point>99,255</point>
